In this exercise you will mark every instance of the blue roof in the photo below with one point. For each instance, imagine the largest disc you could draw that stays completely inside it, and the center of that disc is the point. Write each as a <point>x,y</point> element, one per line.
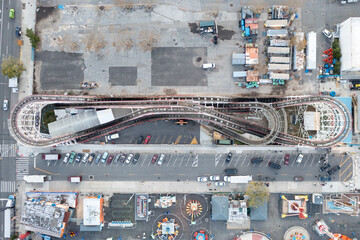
<point>347,102</point>
<point>220,207</point>
<point>259,213</point>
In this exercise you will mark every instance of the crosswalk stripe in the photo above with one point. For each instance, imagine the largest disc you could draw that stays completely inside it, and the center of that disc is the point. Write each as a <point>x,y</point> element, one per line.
<point>7,186</point>
<point>22,168</point>
<point>8,150</point>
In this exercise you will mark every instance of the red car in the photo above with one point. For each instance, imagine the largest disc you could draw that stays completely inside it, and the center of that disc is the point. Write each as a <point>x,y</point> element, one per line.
<point>147,139</point>
<point>286,159</point>
<point>110,159</point>
<point>298,179</point>
<point>154,159</point>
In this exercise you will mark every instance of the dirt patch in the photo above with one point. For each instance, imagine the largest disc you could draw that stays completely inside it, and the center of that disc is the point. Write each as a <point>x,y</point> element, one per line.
<point>193,28</point>
<point>225,34</point>
<point>44,12</point>
<point>170,91</point>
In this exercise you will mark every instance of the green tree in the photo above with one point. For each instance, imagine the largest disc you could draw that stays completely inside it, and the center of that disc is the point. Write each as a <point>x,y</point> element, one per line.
<point>257,194</point>
<point>337,53</point>
<point>34,39</point>
<point>335,44</point>
<point>337,67</point>
<point>12,67</point>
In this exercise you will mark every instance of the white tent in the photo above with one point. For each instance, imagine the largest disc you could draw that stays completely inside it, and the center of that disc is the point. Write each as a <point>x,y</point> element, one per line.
<point>349,41</point>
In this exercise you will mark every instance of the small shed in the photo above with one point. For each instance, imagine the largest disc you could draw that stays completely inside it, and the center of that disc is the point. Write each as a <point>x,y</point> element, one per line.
<point>220,208</point>
<point>238,59</point>
<point>260,213</point>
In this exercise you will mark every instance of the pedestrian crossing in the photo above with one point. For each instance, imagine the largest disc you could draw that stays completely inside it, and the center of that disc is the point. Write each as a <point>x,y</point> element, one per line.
<point>8,150</point>
<point>7,186</point>
<point>22,168</point>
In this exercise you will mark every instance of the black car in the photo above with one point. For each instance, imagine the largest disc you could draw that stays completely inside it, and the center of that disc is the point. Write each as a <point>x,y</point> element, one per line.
<point>257,160</point>
<point>136,158</point>
<point>333,170</point>
<point>231,171</point>
<point>274,165</point>
<point>18,31</point>
<point>123,157</point>
<point>324,178</point>
<point>140,140</point>
<point>326,166</point>
<point>229,157</point>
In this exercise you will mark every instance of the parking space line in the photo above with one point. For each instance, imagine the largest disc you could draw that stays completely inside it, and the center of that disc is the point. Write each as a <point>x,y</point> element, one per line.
<point>61,163</point>
<point>175,159</point>
<point>237,160</point>
<point>223,162</point>
<point>269,160</point>
<point>312,161</point>
<point>243,161</point>
<point>195,161</point>
<point>144,160</point>
<point>217,159</point>
<point>277,158</point>
<point>306,160</point>
<point>182,160</point>
<point>347,176</point>
<point>162,142</point>
<point>344,161</point>
<point>149,161</point>
<point>168,162</point>
<point>262,161</point>
<point>131,140</point>
<point>170,140</point>
<point>157,139</point>
<point>178,139</point>
<point>188,161</point>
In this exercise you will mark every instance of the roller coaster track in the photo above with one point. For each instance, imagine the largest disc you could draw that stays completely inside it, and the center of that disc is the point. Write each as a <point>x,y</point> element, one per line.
<point>214,112</point>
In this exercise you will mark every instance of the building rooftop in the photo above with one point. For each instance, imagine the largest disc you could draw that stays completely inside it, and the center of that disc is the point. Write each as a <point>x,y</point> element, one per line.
<point>65,198</point>
<point>93,214</point>
<point>220,207</point>
<point>44,217</point>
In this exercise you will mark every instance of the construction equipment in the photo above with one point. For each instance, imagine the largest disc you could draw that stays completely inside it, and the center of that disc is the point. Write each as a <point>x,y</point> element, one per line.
<point>323,229</point>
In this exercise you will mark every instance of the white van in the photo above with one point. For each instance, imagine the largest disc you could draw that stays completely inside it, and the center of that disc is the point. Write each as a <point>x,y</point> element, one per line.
<point>5,105</point>
<point>208,66</point>
<point>299,158</point>
<point>104,157</point>
<point>112,137</point>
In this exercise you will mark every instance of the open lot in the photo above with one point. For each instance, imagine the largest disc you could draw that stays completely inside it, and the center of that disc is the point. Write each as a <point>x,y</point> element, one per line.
<point>188,166</point>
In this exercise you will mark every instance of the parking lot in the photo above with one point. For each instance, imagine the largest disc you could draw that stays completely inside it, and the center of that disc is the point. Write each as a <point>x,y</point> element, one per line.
<point>188,166</point>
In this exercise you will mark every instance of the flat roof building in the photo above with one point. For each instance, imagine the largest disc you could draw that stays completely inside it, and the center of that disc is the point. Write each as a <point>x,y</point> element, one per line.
<point>93,211</point>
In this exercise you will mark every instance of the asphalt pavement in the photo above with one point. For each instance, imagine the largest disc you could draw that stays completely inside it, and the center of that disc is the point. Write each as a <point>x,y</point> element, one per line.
<point>188,166</point>
<point>8,47</point>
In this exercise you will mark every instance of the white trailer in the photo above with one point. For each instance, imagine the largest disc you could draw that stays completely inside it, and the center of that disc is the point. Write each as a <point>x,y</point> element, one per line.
<point>280,59</point>
<point>311,51</point>
<point>279,67</point>
<point>276,23</point>
<point>34,178</point>
<point>7,223</point>
<point>238,179</point>
<point>283,76</point>
<point>13,82</point>
<point>278,50</point>
<point>277,32</point>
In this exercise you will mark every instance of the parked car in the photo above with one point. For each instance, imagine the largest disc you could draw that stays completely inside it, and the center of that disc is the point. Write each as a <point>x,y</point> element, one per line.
<point>154,159</point>
<point>333,170</point>
<point>85,157</point>
<point>18,31</point>
<point>220,184</point>
<point>140,140</point>
<point>129,158</point>
<point>91,158</point>
<point>202,179</point>
<point>109,160</point>
<point>72,157</point>
<point>287,159</point>
<point>231,171</point>
<point>257,160</point>
<point>274,165</point>
<point>326,166</point>
<point>228,157</point>
<point>147,139</point>
<point>78,157</point>
<point>215,178</point>
<point>324,158</point>
<point>66,158</point>
<point>327,33</point>
<point>299,158</point>
<point>123,157</point>
<point>324,178</point>
<point>104,157</point>
<point>136,158</point>
<point>98,157</point>
<point>161,159</point>
<point>117,157</point>
<point>11,13</point>
<point>298,179</point>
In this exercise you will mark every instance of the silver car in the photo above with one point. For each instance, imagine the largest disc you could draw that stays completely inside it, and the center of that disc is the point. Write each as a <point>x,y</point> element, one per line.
<point>66,158</point>
<point>129,157</point>
<point>202,179</point>
<point>161,159</point>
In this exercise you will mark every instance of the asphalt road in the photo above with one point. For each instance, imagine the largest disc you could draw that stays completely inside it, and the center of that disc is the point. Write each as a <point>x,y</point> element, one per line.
<point>8,47</point>
<point>187,167</point>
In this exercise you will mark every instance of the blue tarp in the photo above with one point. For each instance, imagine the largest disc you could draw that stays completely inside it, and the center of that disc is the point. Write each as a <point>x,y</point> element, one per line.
<point>247,31</point>
<point>347,102</point>
<point>61,6</point>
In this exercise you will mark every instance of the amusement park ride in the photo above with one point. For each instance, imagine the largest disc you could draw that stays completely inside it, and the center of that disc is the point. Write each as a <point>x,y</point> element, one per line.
<point>298,206</point>
<point>323,229</point>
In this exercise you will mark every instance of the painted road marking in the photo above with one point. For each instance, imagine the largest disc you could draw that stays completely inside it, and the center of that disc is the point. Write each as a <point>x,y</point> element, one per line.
<point>344,180</point>
<point>144,159</point>
<point>217,159</point>
<point>170,140</point>
<point>188,160</point>
<point>344,161</point>
<point>175,160</point>
<point>196,161</point>
<point>182,161</point>
<point>345,170</point>
<point>312,161</point>
<point>178,139</point>
<point>162,142</point>
<point>168,161</point>
<point>157,139</point>
<point>237,160</point>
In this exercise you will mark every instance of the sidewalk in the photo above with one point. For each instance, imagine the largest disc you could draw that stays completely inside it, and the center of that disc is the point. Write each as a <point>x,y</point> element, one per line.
<point>28,21</point>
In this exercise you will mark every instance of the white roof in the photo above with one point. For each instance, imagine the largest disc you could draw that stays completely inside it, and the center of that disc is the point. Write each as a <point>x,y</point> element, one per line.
<point>311,50</point>
<point>105,116</point>
<point>280,50</point>
<point>280,59</point>
<point>276,23</point>
<point>312,121</point>
<point>92,211</point>
<point>278,66</point>
<point>284,76</point>
<point>350,45</point>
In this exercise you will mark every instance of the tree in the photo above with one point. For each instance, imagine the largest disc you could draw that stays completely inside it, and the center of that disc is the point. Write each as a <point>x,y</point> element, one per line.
<point>337,67</point>
<point>336,44</point>
<point>337,53</point>
<point>257,194</point>
<point>12,67</point>
<point>34,39</point>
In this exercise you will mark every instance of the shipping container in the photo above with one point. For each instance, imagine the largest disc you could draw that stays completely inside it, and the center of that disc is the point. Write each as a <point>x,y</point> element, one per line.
<point>280,67</point>
<point>278,50</point>
<point>51,156</point>
<point>311,51</point>
<point>276,23</point>
<point>280,59</point>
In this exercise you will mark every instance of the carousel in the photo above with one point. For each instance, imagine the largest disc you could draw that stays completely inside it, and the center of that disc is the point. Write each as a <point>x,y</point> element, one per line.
<point>167,229</point>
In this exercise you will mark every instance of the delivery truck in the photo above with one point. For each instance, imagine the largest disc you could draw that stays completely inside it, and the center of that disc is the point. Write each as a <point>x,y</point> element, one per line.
<point>238,179</point>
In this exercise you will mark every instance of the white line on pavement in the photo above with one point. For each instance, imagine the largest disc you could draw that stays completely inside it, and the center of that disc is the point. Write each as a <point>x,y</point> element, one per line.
<point>144,159</point>
<point>182,160</point>
<point>175,160</point>
<point>312,161</point>
<point>237,160</point>
<point>168,162</point>
<point>188,161</point>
